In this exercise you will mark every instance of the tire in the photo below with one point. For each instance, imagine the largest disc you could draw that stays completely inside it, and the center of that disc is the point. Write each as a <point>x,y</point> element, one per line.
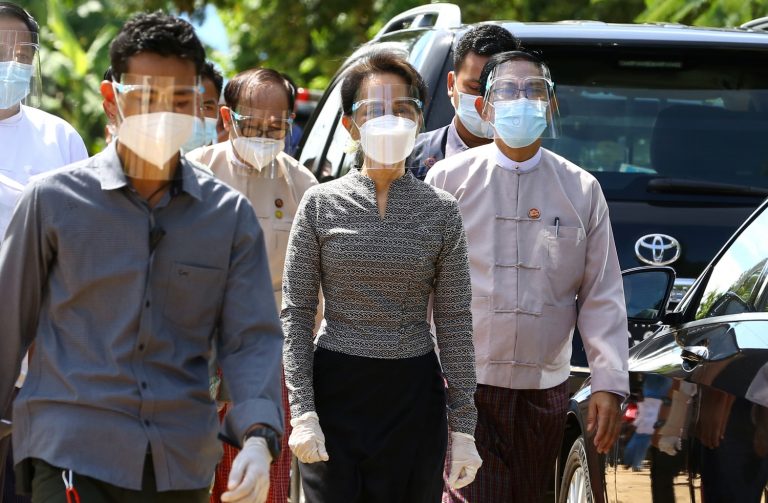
<point>576,486</point>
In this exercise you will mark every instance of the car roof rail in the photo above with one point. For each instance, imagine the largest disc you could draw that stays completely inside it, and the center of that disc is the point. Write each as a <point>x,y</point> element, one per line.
<point>760,23</point>
<point>435,15</point>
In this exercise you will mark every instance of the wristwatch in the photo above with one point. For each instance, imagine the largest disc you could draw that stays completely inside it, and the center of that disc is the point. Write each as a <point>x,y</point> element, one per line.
<point>271,437</point>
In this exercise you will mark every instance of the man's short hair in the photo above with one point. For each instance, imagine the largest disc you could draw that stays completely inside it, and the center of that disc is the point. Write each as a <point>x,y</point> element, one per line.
<point>156,33</point>
<point>505,57</point>
<point>484,40</point>
<point>243,82</point>
<point>211,73</point>
<point>8,9</point>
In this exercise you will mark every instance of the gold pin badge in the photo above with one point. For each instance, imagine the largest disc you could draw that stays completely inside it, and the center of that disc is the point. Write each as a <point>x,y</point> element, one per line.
<point>279,214</point>
<point>534,213</point>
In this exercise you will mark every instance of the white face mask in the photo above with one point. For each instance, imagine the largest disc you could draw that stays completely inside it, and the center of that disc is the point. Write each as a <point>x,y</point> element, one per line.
<point>388,139</point>
<point>156,137</point>
<point>257,152</point>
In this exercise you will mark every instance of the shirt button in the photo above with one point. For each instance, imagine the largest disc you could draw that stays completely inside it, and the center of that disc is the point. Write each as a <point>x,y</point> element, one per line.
<point>146,422</point>
<point>279,203</point>
<point>146,304</point>
<point>141,347</point>
<point>143,385</point>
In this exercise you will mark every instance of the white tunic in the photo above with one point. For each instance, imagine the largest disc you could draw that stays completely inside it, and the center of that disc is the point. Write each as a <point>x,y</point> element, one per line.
<point>540,250</point>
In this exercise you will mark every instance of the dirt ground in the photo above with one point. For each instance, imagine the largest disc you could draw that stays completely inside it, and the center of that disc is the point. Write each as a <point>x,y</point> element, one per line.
<point>635,487</point>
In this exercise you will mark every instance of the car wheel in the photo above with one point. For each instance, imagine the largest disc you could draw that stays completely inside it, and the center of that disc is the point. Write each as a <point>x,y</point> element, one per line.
<point>576,486</point>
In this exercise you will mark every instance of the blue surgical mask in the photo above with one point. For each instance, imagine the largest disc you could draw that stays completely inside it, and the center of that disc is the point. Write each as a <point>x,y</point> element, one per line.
<point>520,122</point>
<point>470,118</point>
<point>14,82</point>
<point>203,134</point>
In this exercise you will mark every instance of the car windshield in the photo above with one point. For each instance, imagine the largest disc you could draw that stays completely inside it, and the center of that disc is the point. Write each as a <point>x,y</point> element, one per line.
<point>689,116</point>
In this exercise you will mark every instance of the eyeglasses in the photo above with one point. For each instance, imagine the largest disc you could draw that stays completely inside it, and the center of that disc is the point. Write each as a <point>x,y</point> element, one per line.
<point>532,88</point>
<point>256,127</point>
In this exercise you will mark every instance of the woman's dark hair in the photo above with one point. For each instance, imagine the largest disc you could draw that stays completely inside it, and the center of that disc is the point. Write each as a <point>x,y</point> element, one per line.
<point>211,73</point>
<point>244,81</point>
<point>8,9</point>
<point>484,40</point>
<point>505,57</point>
<point>157,33</point>
<point>377,63</point>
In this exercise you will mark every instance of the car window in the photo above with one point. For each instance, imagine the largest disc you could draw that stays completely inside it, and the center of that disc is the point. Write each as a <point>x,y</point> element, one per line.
<point>313,154</point>
<point>734,285</point>
<point>691,115</point>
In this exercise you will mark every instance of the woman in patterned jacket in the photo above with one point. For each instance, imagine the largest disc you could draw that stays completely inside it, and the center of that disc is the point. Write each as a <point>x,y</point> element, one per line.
<point>370,412</point>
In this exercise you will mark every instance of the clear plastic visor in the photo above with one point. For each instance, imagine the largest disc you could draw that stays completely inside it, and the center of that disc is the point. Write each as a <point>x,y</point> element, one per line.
<point>156,117</point>
<point>397,100</point>
<point>142,94</point>
<point>520,101</point>
<point>19,69</point>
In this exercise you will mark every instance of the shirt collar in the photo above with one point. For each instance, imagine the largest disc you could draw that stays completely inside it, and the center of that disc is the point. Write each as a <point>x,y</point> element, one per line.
<point>454,144</point>
<point>113,177</point>
<point>523,167</point>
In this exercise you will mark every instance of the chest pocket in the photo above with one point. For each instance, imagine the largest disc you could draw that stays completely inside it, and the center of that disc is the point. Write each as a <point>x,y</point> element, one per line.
<point>566,250</point>
<point>193,295</point>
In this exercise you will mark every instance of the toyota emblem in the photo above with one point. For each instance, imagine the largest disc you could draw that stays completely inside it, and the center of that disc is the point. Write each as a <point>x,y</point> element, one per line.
<point>657,249</point>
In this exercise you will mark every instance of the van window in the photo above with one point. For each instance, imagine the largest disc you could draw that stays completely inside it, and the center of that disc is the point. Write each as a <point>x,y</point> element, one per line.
<point>694,115</point>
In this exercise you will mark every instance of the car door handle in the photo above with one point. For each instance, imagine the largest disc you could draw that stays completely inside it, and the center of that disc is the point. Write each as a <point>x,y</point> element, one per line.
<point>693,355</point>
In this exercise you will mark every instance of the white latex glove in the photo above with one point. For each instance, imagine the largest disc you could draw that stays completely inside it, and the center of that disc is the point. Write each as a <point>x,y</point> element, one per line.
<point>465,461</point>
<point>670,444</point>
<point>249,477</point>
<point>307,440</point>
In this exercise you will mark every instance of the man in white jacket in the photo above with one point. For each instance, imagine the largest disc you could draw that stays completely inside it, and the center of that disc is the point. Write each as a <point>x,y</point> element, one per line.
<point>543,261</point>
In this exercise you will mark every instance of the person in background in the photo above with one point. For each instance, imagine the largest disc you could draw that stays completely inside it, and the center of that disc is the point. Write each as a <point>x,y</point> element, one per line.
<point>467,129</point>
<point>296,129</point>
<point>205,130</point>
<point>258,117</point>
<point>368,403</point>
<point>128,270</point>
<point>31,142</point>
<point>543,261</point>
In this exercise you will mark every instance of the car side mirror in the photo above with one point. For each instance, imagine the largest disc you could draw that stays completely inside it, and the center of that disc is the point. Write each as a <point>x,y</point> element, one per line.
<point>646,293</point>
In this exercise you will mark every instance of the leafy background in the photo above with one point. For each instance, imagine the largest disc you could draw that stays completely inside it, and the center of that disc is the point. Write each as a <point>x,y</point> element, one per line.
<point>308,39</point>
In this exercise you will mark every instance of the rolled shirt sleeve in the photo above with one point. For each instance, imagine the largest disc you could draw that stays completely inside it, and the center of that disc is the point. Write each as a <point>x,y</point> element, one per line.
<point>453,322</point>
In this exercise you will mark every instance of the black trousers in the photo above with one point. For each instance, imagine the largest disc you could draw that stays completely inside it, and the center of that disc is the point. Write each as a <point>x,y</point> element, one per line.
<point>385,429</point>
<point>48,487</point>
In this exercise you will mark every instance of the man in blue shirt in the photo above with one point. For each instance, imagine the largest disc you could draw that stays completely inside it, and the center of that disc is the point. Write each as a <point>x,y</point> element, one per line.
<point>129,270</point>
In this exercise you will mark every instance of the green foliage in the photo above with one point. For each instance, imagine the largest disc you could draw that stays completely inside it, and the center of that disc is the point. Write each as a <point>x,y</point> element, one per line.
<point>308,39</point>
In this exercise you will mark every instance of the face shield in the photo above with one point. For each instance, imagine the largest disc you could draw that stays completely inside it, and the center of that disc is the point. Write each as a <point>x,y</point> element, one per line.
<point>388,117</point>
<point>156,116</point>
<point>257,137</point>
<point>19,69</point>
<point>520,103</point>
